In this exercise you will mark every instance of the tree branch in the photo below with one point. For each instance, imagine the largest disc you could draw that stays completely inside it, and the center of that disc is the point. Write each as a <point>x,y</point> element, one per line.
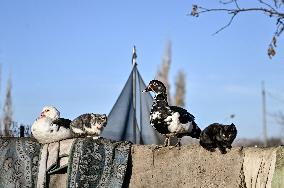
<point>270,12</point>
<point>268,9</point>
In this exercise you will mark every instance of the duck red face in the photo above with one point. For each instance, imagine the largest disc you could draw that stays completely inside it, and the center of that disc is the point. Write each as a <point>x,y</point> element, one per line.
<point>50,111</point>
<point>155,86</point>
<point>43,113</point>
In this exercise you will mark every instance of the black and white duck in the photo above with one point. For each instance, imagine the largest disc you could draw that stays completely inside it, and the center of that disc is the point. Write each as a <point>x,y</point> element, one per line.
<point>170,121</point>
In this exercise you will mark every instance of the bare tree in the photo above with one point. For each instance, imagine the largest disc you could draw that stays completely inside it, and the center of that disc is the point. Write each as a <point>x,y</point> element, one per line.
<point>163,72</point>
<point>180,89</point>
<point>163,76</point>
<point>7,110</point>
<point>271,8</point>
<point>271,142</point>
<point>279,118</point>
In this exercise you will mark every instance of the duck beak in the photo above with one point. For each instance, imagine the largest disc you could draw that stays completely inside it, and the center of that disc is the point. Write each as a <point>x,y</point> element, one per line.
<point>147,89</point>
<point>42,114</point>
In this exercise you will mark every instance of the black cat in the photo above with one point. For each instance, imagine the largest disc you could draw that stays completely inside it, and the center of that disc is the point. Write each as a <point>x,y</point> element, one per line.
<point>218,135</point>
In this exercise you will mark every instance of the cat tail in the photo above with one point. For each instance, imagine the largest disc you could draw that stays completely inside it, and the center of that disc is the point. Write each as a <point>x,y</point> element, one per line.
<point>195,132</point>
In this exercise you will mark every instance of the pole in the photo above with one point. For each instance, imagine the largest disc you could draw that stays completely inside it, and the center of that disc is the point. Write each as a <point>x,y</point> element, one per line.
<point>134,64</point>
<point>140,110</point>
<point>264,122</point>
<point>22,131</point>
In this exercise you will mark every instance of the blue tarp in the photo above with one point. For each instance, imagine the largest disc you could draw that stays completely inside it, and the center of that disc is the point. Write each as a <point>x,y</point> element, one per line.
<point>130,122</point>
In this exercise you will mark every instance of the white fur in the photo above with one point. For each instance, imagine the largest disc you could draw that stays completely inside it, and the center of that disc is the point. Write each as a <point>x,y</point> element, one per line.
<point>46,132</point>
<point>77,130</point>
<point>175,126</point>
<point>95,130</point>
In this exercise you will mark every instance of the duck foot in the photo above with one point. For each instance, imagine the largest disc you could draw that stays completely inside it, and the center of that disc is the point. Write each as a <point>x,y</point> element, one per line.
<point>178,143</point>
<point>167,142</point>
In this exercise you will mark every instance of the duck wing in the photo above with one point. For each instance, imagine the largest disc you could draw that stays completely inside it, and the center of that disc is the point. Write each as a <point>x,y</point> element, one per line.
<point>185,116</point>
<point>62,122</point>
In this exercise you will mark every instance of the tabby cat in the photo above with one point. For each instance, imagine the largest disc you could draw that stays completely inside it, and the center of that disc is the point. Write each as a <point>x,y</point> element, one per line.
<point>89,125</point>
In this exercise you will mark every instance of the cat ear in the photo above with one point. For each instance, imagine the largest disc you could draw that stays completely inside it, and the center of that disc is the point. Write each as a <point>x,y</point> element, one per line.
<point>232,124</point>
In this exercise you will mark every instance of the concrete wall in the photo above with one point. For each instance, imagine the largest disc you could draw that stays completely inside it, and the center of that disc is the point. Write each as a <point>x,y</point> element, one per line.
<point>192,166</point>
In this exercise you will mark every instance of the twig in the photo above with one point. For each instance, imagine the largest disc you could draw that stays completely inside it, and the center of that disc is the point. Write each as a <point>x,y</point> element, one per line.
<point>268,5</point>
<point>226,2</point>
<point>236,3</point>
<point>227,25</point>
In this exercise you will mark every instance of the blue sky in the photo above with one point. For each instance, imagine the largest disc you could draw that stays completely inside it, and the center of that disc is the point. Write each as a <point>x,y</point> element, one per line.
<point>76,55</point>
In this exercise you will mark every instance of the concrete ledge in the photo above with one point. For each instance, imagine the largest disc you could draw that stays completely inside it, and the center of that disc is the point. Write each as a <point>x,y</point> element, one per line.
<point>192,166</point>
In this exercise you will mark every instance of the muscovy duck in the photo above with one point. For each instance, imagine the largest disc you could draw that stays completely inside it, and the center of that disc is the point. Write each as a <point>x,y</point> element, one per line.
<point>49,127</point>
<point>168,120</point>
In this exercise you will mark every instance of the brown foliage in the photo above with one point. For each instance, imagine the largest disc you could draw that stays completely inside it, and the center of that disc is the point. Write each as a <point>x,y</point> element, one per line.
<point>163,72</point>
<point>180,89</point>
<point>7,109</point>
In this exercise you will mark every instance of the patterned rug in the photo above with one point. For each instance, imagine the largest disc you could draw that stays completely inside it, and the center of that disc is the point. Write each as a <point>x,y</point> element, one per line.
<point>97,163</point>
<point>18,162</point>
